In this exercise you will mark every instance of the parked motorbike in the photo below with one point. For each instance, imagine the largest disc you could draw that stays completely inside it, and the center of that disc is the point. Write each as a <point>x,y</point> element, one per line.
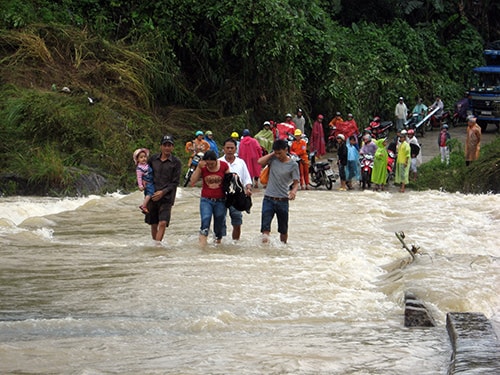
<point>461,111</point>
<point>331,144</point>
<point>391,164</point>
<point>414,123</point>
<point>194,163</point>
<point>378,128</point>
<point>366,170</point>
<point>321,172</point>
<point>437,122</point>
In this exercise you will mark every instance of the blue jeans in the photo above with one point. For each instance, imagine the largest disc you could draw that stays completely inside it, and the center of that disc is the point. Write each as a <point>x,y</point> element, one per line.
<point>217,209</point>
<point>269,209</point>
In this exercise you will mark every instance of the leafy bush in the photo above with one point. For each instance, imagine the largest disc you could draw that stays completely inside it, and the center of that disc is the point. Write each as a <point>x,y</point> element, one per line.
<point>480,177</point>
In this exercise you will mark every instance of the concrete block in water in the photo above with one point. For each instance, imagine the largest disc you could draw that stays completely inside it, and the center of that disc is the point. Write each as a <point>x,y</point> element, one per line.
<point>416,313</point>
<point>476,349</point>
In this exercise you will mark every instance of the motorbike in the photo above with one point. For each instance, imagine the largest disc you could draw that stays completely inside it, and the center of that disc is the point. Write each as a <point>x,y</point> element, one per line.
<point>321,172</point>
<point>331,144</point>
<point>366,170</point>
<point>437,122</point>
<point>414,123</point>
<point>378,128</point>
<point>194,163</point>
<point>391,164</point>
<point>461,112</point>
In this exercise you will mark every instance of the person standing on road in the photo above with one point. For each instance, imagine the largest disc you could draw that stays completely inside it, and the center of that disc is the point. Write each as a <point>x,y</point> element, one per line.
<point>472,140</point>
<point>166,176</point>
<point>342,161</point>
<point>379,173</point>
<point>401,113</point>
<point>283,171</point>
<point>300,121</point>
<point>238,166</point>
<point>443,138</point>
<point>402,175</point>
<point>250,151</point>
<point>416,153</point>
<point>299,148</point>
<point>318,138</point>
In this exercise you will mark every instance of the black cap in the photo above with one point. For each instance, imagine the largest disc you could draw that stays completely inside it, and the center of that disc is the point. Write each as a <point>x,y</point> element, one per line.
<point>167,139</point>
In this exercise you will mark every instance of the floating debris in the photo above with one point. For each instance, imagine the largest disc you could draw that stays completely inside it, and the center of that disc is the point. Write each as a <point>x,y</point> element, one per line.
<point>413,250</point>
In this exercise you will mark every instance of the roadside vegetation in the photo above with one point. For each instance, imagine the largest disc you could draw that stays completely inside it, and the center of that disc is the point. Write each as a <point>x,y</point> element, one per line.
<point>136,70</point>
<point>482,176</point>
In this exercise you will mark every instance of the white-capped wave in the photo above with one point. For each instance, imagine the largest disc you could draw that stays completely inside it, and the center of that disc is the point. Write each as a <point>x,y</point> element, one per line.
<point>18,209</point>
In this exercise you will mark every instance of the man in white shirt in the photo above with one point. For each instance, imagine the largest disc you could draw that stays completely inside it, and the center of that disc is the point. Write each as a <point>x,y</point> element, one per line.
<point>437,104</point>
<point>238,166</point>
<point>401,113</point>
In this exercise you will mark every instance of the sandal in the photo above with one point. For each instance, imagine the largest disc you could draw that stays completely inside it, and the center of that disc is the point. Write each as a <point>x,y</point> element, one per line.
<point>144,209</point>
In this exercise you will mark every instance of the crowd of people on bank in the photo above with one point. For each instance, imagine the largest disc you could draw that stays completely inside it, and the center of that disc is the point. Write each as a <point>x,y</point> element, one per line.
<point>272,149</point>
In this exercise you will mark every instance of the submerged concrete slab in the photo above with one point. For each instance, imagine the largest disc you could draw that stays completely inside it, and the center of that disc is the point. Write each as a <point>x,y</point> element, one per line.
<point>416,313</point>
<point>476,349</point>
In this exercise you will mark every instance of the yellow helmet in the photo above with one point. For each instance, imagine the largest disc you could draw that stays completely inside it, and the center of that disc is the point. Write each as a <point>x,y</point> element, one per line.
<point>234,135</point>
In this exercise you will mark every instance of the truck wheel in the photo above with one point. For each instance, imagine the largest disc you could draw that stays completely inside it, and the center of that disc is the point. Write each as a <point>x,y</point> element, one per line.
<point>483,125</point>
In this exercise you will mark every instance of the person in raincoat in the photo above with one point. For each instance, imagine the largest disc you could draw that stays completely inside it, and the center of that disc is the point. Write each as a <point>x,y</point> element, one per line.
<point>299,148</point>
<point>472,140</point>
<point>379,172</point>
<point>318,138</point>
<point>352,168</point>
<point>250,151</point>
<point>265,137</point>
<point>209,137</point>
<point>403,163</point>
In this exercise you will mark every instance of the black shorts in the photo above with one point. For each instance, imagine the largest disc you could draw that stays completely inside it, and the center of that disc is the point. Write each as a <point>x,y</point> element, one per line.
<point>158,211</point>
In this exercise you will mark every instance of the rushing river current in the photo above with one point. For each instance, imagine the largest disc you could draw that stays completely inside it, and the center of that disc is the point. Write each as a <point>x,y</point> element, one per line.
<point>84,290</point>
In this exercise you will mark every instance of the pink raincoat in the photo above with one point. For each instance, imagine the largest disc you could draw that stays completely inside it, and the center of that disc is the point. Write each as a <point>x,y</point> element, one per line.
<point>250,151</point>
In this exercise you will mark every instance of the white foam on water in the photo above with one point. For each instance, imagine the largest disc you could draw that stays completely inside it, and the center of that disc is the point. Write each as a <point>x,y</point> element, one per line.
<point>18,209</point>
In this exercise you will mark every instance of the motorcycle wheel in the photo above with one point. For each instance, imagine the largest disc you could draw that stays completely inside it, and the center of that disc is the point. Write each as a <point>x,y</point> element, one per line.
<point>455,121</point>
<point>314,181</point>
<point>390,176</point>
<point>329,183</point>
<point>188,177</point>
<point>364,180</point>
<point>428,126</point>
<point>330,146</point>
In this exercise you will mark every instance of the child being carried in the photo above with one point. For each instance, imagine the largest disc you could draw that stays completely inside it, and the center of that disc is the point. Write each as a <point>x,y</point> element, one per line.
<point>144,174</point>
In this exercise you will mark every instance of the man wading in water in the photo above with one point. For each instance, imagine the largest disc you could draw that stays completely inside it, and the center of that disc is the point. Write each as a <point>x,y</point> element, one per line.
<point>283,171</point>
<point>166,176</point>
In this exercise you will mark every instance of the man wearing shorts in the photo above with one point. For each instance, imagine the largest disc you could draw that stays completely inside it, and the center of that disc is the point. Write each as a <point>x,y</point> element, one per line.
<point>166,175</point>
<point>283,171</point>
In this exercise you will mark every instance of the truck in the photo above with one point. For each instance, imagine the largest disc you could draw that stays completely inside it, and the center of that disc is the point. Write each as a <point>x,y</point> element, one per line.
<point>485,88</point>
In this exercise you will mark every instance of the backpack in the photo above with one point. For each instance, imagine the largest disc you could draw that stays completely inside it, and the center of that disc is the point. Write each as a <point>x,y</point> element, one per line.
<point>235,193</point>
<point>414,150</point>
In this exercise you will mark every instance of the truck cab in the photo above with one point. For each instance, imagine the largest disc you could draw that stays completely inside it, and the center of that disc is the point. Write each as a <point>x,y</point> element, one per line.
<point>485,90</point>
